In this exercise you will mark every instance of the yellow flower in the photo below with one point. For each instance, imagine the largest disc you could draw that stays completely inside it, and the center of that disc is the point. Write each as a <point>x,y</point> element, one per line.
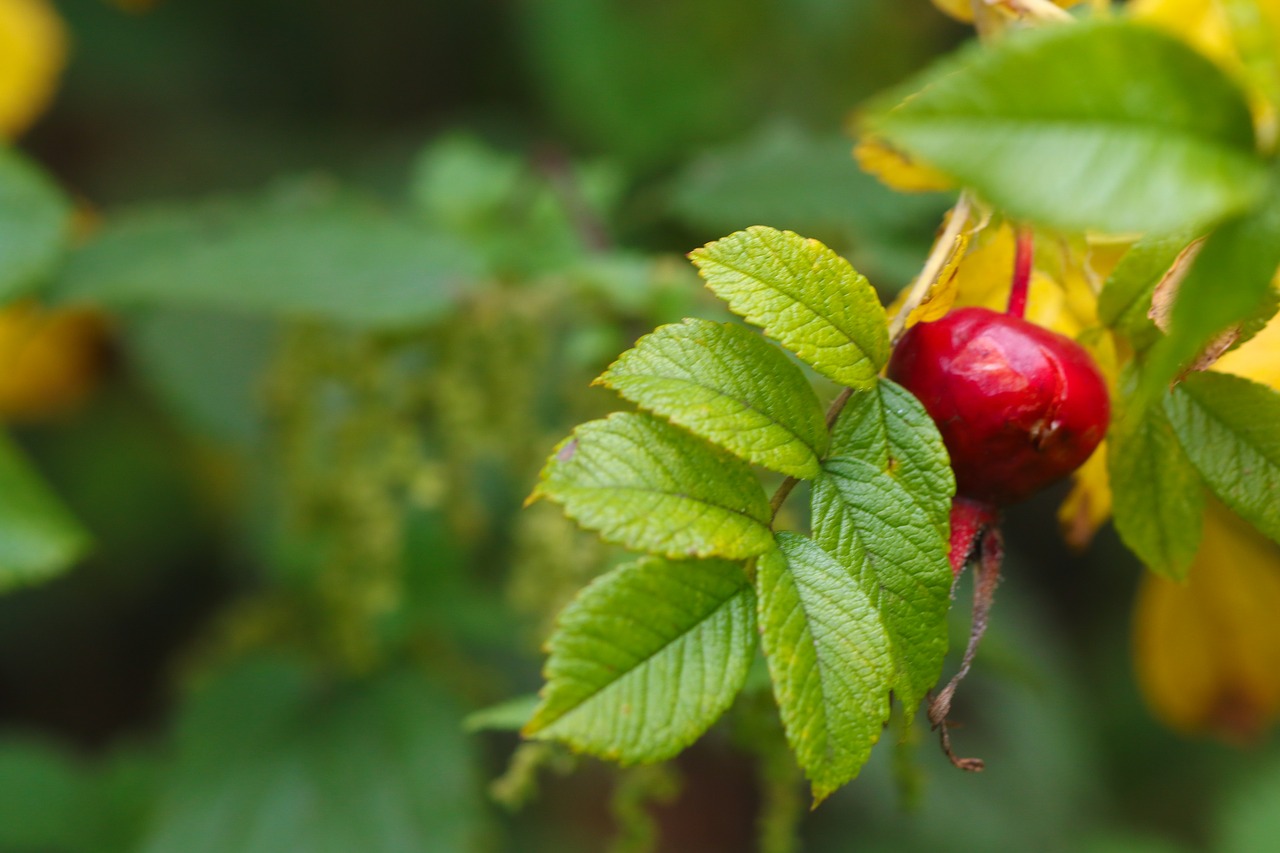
<point>32,54</point>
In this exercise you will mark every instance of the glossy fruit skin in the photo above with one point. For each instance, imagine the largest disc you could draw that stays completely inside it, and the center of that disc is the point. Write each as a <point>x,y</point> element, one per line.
<point>1019,407</point>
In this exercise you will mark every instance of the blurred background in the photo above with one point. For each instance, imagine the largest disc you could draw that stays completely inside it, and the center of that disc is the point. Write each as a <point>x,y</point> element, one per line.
<point>279,480</point>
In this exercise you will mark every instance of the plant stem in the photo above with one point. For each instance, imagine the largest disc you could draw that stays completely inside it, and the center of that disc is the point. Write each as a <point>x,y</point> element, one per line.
<point>783,492</point>
<point>556,167</point>
<point>986,578</point>
<point>833,412</point>
<point>1043,10</point>
<point>1036,10</point>
<point>1022,258</point>
<point>933,266</point>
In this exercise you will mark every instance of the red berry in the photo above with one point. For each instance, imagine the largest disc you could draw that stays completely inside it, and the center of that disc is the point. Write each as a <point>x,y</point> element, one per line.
<point>1018,406</point>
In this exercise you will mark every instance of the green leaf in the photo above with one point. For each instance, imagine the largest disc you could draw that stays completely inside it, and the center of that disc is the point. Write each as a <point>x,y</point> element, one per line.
<point>462,183</point>
<point>1229,283</point>
<point>804,296</point>
<point>46,798</point>
<point>1124,304</point>
<point>511,209</point>
<point>1245,819</point>
<point>1230,429</point>
<point>730,386</point>
<point>594,67</point>
<point>828,655</point>
<point>310,255</point>
<point>509,716</point>
<point>881,509</point>
<point>38,537</point>
<point>647,658</point>
<point>52,799</point>
<point>206,367</point>
<point>808,183</point>
<point>1157,498</point>
<point>34,224</point>
<point>651,486</point>
<point>271,758</point>
<point>1104,125</point>
<point>889,428</point>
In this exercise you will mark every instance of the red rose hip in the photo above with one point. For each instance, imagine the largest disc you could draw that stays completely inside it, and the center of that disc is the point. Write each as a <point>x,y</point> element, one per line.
<point>1019,407</point>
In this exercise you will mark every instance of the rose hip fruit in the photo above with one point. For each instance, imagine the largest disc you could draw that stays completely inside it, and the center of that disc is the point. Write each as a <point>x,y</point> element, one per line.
<point>1019,407</point>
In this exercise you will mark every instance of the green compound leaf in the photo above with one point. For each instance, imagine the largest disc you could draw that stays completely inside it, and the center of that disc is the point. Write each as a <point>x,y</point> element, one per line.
<point>1100,125</point>
<point>651,486</point>
<point>804,296</point>
<point>1124,304</point>
<point>1230,429</point>
<point>828,655</point>
<point>38,537</point>
<point>890,428</point>
<point>34,224</point>
<point>1229,283</point>
<point>647,658</point>
<point>1157,499</point>
<point>730,386</point>
<point>881,510</point>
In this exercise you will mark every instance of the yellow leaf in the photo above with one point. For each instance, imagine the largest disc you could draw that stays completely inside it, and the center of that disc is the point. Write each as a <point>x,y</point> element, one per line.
<point>985,277</point>
<point>1200,23</point>
<point>896,170</point>
<point>1088,505</point>
<point>961,10</point>
<point>32,54</point>
<point>1257,358</point>
<point>1208,651</point>
<point>942,296</point>
<point>49,359</point>
<point>980,273</point>
<point>1240,35</point>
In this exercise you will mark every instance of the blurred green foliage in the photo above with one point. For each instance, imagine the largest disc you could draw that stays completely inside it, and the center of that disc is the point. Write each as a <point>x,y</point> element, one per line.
<point>362,262</point>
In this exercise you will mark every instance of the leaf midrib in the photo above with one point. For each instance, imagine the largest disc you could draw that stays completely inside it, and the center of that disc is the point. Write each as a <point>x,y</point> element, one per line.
<point>1053,125</point>
<point>746,404</point>
<point>820,316</point>
<point>599,692</point>
<point>681,495</point>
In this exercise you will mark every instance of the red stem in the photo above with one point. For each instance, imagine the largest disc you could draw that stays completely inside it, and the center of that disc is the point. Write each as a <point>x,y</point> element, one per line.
<point>969,520</point>
<point>1021,273</point>
<point>990,554</point>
